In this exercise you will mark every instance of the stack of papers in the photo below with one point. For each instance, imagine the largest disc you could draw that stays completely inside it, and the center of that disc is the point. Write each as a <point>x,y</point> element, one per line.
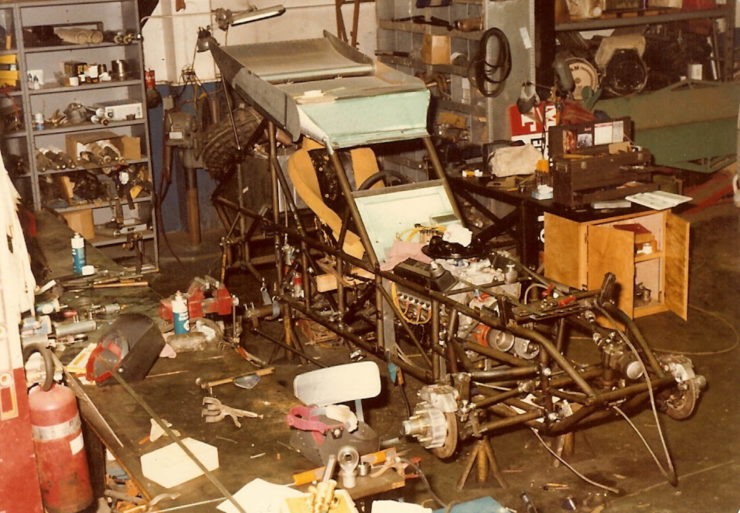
<point>658,200</point>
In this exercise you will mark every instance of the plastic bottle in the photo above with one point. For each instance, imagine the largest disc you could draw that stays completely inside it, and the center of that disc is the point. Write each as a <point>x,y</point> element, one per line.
<point>78,253</point>
<point>180,315</point>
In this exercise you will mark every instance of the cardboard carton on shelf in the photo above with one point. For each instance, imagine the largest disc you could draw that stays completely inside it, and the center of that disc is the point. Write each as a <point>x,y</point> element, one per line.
<point>129,147</point>
<point>81,221</point>
<point>436,49</point>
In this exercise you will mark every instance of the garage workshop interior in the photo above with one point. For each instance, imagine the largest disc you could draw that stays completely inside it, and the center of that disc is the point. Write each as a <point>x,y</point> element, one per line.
<point>369,256</point>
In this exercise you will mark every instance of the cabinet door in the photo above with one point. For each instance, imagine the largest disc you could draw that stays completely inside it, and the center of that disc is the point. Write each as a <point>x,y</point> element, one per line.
<point>612,251</point>
<point>677,265</point>
<point>564,260</point>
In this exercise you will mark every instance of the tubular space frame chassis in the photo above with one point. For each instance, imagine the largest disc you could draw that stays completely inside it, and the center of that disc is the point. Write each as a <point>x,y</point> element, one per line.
<point>550,377</point>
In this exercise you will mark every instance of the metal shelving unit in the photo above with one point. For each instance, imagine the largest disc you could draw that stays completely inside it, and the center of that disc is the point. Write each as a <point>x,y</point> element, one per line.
<point>113,15</point>
<point>632,21</point>
<point>399,41</point>
<point>700,135</point>
<point>727,13</point>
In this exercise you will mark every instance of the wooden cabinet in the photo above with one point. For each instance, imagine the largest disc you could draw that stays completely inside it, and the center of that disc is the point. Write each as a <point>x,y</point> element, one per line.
<point>647,251</point>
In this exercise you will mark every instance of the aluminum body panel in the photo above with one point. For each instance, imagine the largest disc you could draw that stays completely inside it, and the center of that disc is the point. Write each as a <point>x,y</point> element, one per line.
<point>326,90</point>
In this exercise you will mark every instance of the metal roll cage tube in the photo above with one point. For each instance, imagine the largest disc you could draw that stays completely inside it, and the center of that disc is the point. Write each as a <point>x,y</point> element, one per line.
<point>477,334</point>
<point>451,351</point>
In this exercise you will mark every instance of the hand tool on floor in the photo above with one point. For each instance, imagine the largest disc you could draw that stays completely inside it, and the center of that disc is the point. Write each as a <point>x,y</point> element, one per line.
<point>215,411</point>
<point>208,385</point>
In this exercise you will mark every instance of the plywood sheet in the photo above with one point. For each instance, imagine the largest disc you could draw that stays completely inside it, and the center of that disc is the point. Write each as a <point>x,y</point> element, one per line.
<point>611,250</point>
<point>677,265</point>
<point>563,244</point>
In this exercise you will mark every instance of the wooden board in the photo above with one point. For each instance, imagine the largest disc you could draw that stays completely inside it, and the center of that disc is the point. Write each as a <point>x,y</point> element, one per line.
<point>612,250</point>
<point>563,259</point>
<point>677,265</point>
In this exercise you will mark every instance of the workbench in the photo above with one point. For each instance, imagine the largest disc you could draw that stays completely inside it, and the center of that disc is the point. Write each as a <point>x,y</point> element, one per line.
<point>259,449</point>
<point>525,220</point>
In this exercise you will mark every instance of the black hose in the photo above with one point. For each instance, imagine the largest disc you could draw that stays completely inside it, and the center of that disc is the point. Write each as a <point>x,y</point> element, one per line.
<point>489,77</point>
<point>45,353</point>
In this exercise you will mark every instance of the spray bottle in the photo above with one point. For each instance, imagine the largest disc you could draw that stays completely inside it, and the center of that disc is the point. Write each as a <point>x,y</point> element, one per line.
<point>78,253</point>
<point>180,315</point>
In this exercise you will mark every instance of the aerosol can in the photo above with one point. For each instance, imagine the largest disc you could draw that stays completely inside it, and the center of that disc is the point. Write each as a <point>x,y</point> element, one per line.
<point>180,315</point>
<point>78,253</point>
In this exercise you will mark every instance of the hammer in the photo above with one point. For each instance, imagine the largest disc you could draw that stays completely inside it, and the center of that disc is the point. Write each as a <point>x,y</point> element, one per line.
<point>207,385</point>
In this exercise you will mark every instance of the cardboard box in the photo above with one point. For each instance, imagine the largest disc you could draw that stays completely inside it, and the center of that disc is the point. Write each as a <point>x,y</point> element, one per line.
<point>673,4</point>
<point>436,49</point>
<point>121,110</point>
<point>130,147</point>
<point>81,221</point>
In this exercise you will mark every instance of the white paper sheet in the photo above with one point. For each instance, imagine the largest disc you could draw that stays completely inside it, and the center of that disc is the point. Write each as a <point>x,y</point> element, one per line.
<point>259,496</point>
<point>398,507</point>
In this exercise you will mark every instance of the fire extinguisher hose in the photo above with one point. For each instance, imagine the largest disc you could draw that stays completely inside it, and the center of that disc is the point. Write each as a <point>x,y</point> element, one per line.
<point>45,353</point>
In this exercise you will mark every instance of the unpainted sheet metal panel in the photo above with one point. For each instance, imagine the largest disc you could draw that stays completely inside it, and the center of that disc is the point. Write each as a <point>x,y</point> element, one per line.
<point>516,19</point>
<point>327,90</point>
<point>299,60</point>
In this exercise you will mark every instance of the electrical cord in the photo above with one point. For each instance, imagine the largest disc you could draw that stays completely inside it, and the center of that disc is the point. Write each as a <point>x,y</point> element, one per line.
<point>571,468</point>
<point>728,349</point>
<point>425,481</point>
<point>529,289</point>
<point>640,436</point>
<point>670,473</point>
<point>489,77</point>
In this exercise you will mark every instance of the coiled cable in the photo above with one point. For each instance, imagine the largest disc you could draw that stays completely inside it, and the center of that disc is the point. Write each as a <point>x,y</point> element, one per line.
<point>489,77</point>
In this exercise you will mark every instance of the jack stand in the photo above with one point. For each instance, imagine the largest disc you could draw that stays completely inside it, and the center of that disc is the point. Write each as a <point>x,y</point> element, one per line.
<point>484,460</point>
<point>564,446</point>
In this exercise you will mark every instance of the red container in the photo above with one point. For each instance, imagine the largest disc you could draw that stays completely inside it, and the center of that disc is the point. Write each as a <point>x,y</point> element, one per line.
<point>698,5</point>
<point>60,450</point>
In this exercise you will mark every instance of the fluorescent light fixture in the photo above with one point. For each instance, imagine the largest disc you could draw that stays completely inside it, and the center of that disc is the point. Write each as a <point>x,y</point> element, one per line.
<point>254,14</point>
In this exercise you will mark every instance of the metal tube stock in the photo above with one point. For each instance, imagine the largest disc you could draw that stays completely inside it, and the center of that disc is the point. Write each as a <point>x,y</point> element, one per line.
<point>510,419</point>
<point>451,329</point>
<point>460,352</point>
<point>347,191</point>
<point>436,358</point>
<point>496,354</point>
<point>470,312</point>
<point>522,405</point>
<point>288,348</point>
<point>275,204</point>
<point>440,172</point>
<point>379,333</point>
<point>495,374</point>
<point>621,393</point>
<point>418,373</point>
<point>596,416</point>
<point>554,354</point>
<point>560,340</point>
<point>175,438</point>
<point>637,335</point>
<point>494,399</point>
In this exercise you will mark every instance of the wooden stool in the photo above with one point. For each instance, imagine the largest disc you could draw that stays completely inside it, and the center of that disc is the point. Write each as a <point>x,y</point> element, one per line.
<point>484,460</point>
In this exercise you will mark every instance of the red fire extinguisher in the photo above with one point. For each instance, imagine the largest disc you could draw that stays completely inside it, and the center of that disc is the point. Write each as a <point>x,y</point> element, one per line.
<point>60,450</point>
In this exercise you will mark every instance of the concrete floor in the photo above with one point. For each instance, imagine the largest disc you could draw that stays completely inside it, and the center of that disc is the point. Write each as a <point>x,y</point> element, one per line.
<point>704,448</point>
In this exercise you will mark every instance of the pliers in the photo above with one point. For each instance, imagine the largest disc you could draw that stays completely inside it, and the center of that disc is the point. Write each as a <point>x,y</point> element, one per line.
<point>214,411</point>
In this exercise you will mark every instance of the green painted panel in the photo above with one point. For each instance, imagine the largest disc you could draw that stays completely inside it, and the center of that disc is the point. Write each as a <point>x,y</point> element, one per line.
<point>371,119</point>
<point>683,123</point>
